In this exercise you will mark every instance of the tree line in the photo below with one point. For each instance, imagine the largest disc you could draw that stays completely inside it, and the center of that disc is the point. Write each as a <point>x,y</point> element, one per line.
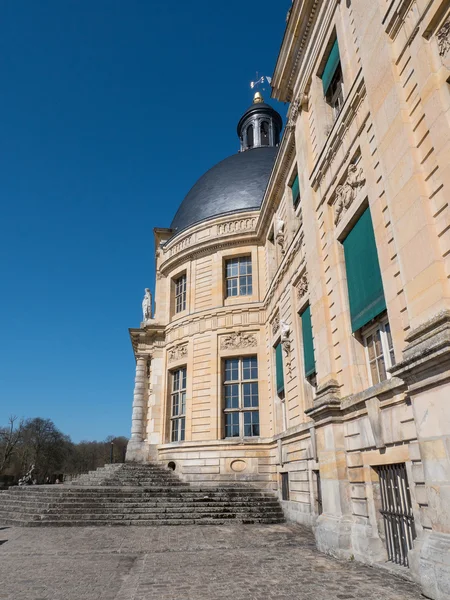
<point>38,442</point>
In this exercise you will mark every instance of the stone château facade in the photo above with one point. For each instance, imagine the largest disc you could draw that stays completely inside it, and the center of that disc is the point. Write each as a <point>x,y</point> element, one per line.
<point>301,338</point>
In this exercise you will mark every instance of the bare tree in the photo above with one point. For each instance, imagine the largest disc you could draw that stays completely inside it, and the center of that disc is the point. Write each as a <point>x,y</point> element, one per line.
<point>10,437</point>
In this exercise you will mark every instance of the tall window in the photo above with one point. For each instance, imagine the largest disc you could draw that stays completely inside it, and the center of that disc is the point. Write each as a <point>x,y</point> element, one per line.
<point>241,398</point>
<point>379,348</point>
<point>265,133</point>
<point>178,405</point>
<point>364,283</point>
<point>250,136</point>
<point>295,188</point>
<point>180,293</point>
<point>239,276</point>
<point>332,80</point>
<point>308,343</point>
<point>279,369</point>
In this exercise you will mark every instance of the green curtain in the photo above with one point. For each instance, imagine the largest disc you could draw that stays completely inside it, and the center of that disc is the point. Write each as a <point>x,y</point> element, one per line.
<point>295,187</point>
<point>308,345</point>
<point>332,64</point>
<point>279,368</point>
<point>365,286</point>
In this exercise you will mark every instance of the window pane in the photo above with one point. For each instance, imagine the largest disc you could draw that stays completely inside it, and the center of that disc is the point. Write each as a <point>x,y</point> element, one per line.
<point>232,267</point>
<point>175,405</point>
<point>250,393</point>
<point>374,372</point>
<point>176,381</point>
<point>370,347</point>
<point>245,266</point>
<point>381,368</point>
<point>182,428</point>
<point>232,369</point>
<point>232,287</point>
<point>183,403</point>
<point>232,396</point>
<point>251,423</point>
<point>232,424</point>
<point>378,346</point>
<point>250,368</point>
<point>183,372</point>
<point>174,434</point>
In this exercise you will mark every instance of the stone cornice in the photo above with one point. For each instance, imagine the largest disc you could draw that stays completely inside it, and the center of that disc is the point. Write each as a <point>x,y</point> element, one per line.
<point>150,336</point>
<point>296,38</point>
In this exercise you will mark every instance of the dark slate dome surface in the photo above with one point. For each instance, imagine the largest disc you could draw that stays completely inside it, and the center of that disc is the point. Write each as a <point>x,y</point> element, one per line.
<point>235,184</point>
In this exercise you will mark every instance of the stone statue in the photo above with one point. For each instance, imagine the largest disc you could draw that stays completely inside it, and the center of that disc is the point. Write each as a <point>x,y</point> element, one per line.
<point>147,306</point>
<point>28,478</point>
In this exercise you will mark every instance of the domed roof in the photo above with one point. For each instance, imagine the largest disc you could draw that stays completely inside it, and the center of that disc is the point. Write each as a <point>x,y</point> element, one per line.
<point>235,184</point>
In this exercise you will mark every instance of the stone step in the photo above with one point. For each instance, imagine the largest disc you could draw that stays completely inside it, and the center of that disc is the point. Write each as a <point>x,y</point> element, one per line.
<point>137,495</point>
<point>143,523</point>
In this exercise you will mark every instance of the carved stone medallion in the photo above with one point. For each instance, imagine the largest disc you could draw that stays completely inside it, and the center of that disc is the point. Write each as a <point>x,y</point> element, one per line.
<point>443,38</point>
<point>302,287</point>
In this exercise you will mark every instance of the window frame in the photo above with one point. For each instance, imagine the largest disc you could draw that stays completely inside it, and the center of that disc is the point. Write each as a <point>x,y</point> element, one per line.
<point>179,392</point>
<point>249,274</point>
<point>241,409</point>
<point>387,349</point>
<point>336,99</point>
<point>180,296</point>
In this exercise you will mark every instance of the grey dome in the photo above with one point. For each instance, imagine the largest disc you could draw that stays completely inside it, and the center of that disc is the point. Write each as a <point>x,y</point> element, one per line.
<point>235,184</point>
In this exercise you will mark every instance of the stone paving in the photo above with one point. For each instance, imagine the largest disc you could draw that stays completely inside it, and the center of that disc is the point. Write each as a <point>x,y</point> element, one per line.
<point>251,562</point>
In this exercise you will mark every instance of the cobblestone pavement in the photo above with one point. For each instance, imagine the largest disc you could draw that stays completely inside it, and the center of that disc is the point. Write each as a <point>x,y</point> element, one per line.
<point>255,562</point>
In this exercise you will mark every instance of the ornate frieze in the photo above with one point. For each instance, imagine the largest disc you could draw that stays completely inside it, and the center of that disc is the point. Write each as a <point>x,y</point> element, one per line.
<point>238,340</point>
<point>443,38</point>
<point>346,192</point>
<point>302,287</point>
<point>236,226</point>
<point>178,353</point>
<point>181,245</point>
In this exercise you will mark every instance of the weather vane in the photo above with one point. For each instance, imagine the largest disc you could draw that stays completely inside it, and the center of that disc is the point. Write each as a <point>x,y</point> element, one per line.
<point>260,81</point>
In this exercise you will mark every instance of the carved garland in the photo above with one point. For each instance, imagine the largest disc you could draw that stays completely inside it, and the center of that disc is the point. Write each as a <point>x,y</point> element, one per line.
<point>177,353</point>
<point>238,340</point>
<point>302,287</point>
<point>346,192</point>
<point>276,324</point>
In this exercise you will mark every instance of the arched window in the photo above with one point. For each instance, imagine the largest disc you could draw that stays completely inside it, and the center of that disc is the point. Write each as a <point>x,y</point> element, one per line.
<point>250,136</point>
<point>265,133</point>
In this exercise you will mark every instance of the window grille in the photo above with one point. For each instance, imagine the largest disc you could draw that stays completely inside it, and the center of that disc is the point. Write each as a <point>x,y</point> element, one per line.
<point>239,276</point>
<point>178,405</point>
<point>284,486</point>
<point>180,294</point>
<point>396,508</point>
<point>241,397</point>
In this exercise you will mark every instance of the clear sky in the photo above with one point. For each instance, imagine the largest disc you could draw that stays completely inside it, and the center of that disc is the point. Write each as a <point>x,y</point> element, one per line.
<point>111,110</point>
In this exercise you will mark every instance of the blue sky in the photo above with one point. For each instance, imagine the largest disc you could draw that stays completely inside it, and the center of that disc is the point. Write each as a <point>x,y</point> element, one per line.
<point>111,110</point>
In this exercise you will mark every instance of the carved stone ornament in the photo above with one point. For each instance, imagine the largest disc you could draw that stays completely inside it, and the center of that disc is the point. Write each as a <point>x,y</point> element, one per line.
<point>278,229</point>
<point>238,340</point>
<point>276,324</point>
<point>178,352</point>
<point>443,38</point>
<point>286,345</point>
<point>302,287</point>
<point>346,192</point>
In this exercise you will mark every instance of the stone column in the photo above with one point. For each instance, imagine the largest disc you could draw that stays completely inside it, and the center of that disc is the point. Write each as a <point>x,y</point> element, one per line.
<point>136,445</point>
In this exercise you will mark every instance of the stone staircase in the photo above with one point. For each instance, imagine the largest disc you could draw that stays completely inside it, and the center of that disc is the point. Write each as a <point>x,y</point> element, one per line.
<point>132,494</point>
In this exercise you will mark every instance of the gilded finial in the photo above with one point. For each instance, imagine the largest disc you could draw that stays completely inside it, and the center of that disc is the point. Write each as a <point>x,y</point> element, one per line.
<point>257,98</point>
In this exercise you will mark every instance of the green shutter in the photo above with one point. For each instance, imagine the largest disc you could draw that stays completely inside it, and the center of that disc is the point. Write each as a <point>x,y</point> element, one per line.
<point>332,64</point>
<point>365,286</point>
<point>279,368</point>
<point>295,187</point>
<point>308,346</point>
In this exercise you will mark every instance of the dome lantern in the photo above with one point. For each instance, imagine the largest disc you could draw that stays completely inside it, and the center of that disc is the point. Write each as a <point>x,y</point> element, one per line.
<point>259,126</point>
